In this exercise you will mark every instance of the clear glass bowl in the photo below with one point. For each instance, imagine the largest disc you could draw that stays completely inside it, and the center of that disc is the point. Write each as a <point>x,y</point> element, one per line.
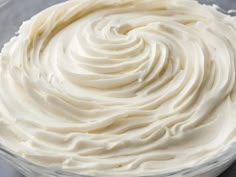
<point>12,14</point>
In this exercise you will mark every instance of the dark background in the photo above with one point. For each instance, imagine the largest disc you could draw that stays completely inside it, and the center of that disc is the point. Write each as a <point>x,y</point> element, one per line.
<point>24,9</point>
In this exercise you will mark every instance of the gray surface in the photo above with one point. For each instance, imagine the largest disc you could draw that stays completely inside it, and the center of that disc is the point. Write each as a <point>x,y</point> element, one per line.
<point>12,26</point>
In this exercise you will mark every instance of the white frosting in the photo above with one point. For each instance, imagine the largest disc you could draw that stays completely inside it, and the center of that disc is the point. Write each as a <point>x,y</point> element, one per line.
<point>120,87</point>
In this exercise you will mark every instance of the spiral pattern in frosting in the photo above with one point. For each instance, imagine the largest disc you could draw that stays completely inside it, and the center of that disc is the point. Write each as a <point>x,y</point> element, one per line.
<point>120,87</point>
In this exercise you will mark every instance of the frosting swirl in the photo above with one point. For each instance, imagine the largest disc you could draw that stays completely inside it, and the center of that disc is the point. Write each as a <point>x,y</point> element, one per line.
<point>120,87</point>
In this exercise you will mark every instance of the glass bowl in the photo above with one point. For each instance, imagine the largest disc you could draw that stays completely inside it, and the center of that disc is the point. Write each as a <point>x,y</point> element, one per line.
<point>12,14</point>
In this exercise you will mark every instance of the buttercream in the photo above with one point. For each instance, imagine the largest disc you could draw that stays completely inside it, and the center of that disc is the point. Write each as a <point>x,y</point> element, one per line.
<point>120,87</point>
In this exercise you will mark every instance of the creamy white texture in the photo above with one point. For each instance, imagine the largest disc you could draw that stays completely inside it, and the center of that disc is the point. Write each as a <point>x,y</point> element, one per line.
<point>120,87</point>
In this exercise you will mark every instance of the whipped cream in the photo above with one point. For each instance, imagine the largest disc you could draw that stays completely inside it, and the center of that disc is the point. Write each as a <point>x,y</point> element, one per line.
<point>120,87</point>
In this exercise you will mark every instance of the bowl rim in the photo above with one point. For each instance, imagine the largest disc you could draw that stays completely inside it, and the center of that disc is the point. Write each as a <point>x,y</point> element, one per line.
<point>227,156</point>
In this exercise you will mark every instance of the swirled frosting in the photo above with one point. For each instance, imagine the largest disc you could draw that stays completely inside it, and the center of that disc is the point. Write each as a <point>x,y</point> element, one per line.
<point>120,87</point>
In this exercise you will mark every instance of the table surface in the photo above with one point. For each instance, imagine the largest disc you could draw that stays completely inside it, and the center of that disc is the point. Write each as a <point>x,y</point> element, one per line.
<point>5,169</point>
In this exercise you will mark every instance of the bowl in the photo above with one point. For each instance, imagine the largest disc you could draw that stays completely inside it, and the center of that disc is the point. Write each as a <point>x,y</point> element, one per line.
<point>12,14</point>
